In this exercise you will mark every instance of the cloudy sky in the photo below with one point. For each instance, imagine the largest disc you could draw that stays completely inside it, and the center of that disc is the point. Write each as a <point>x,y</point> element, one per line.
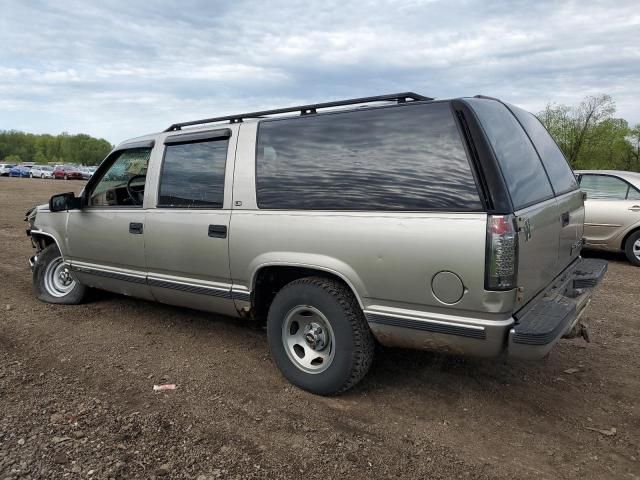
<point>121,68</point>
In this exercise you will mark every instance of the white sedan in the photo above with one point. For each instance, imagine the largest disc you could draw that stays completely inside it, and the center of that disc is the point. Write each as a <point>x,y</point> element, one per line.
<point>41,171</point>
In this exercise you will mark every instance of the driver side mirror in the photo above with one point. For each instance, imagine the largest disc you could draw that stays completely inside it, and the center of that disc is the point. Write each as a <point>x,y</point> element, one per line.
<point>64,201</point>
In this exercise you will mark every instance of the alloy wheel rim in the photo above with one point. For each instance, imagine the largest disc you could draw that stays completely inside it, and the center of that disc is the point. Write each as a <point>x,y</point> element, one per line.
<point>308,339</point>
<point>636,249</point>
<point>57,278</point>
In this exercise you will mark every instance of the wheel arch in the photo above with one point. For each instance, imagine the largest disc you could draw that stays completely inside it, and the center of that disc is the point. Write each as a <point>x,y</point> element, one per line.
<point>625,237</point>
<point>270,277</point>
<point>44,239</point>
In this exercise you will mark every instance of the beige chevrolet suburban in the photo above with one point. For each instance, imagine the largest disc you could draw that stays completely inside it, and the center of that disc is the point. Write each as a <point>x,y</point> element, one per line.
<point>452,225</point>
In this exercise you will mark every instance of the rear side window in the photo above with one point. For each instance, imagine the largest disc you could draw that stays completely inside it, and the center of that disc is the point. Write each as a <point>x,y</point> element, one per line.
<point>193,175</point>
<point>523,173</point>
<point>605,187</point>
<point>398,158</point>
<point>560,174</point>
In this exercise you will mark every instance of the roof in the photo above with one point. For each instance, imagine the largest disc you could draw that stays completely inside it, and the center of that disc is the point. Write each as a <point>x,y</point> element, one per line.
<point>306,109</point>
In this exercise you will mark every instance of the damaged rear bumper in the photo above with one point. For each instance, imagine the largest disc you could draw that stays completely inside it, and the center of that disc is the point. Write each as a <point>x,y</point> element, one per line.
<point>555,312</point>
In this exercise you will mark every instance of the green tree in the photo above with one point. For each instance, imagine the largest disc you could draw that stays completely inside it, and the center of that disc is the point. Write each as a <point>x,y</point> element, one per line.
<point>64,148</point>
<point>589,134</point>
<point>634,141</point>
<point>12,159</point>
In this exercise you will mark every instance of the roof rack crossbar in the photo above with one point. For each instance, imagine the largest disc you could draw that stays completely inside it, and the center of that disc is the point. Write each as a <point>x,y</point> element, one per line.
<point>304,109</point>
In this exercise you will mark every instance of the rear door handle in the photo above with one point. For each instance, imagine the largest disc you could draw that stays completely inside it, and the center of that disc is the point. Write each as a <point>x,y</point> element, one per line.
<point>218,231</point>
<point>635,208</point>
<point>565,219</point>
<point>135,228</point>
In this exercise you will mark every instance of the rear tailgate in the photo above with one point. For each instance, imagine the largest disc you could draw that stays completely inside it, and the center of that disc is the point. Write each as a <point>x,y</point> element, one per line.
<point>539,231</point>
<point>549,241</point>
<point>547,203</point>
<point>571,209</point>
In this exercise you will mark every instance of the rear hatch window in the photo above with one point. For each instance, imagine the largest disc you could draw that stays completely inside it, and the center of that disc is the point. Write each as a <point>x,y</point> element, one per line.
<point>523,173</point>
<point>560,174</point>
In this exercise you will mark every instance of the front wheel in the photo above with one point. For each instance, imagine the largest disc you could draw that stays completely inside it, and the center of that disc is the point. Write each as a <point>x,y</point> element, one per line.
<point>632,248</point>
<point>53,281</point>
<point>318,336</point>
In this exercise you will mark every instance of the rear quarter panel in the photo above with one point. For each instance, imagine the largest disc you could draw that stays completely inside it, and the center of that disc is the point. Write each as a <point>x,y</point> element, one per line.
<point>389,258</point>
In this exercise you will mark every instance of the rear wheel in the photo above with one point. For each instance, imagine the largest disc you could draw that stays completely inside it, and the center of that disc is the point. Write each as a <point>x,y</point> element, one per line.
<point>53,281</point>
<point>632,248</point>
<point>66,177</point>
<point>318,336</point>
<point>42,176</point>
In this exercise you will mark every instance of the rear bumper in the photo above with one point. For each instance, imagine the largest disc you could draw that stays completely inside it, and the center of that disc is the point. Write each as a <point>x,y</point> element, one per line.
<point>553,313</point>
<point>529,334</point>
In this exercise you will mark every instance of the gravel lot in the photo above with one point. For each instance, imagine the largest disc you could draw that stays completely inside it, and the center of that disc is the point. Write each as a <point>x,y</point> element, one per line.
<point>76,397</point>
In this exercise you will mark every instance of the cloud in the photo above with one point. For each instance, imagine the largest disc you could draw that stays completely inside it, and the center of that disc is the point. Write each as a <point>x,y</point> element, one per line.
<point>119,68</point>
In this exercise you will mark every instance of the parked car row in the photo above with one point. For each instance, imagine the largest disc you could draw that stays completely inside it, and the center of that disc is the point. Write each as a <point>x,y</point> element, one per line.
<point>64,172</point>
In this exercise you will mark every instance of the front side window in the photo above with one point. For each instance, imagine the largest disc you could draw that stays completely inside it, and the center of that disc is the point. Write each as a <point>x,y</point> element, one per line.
<point>408,157</point>
<point>605,187</point>
<point>193,175</point>
<point>522,170</point>
<point>122,185</point>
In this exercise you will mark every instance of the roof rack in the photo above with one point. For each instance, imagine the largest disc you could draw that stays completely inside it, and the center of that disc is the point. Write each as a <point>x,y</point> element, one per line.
<point>305,109</point>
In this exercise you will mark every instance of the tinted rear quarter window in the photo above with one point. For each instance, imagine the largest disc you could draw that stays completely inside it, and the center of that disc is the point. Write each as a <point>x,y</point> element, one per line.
<point>560,173</point>
<point>193,175</point>
<point>408,157</point>
<point>521,168</point>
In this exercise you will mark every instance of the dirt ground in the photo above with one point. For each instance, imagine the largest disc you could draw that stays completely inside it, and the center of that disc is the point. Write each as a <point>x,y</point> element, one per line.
<point>76,397</point>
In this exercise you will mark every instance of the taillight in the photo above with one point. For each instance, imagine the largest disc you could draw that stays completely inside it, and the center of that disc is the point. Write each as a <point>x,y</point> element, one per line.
<point>501,253</point>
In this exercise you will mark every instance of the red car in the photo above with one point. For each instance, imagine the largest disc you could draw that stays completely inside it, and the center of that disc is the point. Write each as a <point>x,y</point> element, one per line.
<point>67,172</point>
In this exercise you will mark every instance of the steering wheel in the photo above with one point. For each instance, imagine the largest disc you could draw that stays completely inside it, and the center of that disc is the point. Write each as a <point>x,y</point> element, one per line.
<point>136,192</point>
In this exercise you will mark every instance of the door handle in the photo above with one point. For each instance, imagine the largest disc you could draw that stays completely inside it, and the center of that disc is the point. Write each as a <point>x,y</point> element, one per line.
<point>635,208</point>
<point>565,219</point>
<point>135,228</point>
<point>218,231</point>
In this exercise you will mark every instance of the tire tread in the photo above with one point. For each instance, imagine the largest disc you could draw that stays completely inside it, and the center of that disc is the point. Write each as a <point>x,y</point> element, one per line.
<point>628,248</point>
<point>364,344</point>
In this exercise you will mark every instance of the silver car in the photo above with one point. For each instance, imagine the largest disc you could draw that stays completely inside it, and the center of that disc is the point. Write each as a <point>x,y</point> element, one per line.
<point>612,211</point>
<point>5,168</point>
<point>41,171</point>
<point>452,225</point>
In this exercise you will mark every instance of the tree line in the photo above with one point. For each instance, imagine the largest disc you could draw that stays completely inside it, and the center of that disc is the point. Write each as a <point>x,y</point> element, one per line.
<point>591,137</point>
<point>18,147</point>
<point>589,134</point>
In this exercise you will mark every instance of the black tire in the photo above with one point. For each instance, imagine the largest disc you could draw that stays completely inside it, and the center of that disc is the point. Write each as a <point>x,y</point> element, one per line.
<point>355,344</point>
<point>43,272</point>
<point>628,248</point>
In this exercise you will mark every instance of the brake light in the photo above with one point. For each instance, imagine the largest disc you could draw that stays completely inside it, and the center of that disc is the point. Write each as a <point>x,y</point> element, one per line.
<point>501,253</point>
